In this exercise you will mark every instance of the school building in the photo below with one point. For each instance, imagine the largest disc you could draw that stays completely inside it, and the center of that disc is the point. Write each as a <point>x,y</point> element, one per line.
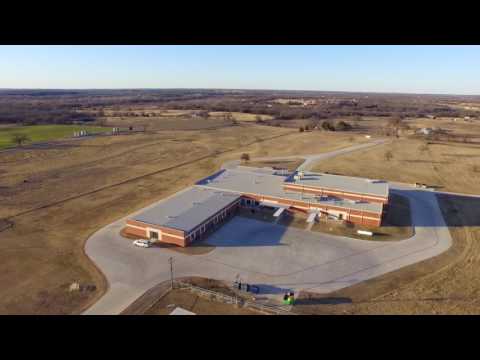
<point>190,214</point>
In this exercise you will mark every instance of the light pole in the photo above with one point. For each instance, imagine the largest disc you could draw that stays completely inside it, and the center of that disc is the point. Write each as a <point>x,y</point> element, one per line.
<point>170,260</point>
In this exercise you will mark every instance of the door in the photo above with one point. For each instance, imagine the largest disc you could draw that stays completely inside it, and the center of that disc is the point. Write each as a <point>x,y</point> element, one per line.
<point>154,235</point>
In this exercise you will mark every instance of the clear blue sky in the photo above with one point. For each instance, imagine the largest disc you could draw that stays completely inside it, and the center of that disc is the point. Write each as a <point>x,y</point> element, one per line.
<point>420,69</point>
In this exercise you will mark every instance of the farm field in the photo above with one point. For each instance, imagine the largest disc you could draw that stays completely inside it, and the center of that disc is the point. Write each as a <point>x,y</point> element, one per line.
<point>170,119</point>
<point>437,164</point>
<point>57,197</point>
<point>240,116</point>
<point>38,133</point>
<point>167,123</point>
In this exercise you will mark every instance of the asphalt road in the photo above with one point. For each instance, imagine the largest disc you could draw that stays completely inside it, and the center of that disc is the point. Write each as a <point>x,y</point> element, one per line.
<point>274,257</point>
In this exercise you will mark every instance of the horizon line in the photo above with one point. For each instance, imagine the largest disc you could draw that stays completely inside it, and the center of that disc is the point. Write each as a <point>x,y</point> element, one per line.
<point>243,89</point>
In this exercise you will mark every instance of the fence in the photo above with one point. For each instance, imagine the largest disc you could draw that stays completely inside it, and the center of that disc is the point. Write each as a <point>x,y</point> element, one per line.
<point>279,310</point>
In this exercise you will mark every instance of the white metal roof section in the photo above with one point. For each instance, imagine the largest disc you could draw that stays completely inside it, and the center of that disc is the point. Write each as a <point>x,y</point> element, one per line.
<point>181,311</point>
<point>188,209</point>
<point>242,181</point>
<point>342,183</point>
<point>279,212</point>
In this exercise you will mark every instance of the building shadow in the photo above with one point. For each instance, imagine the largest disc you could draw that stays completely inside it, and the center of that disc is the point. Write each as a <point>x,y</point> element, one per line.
<point>456,210</point>
<point>329,300</point>
<point>267,289</point>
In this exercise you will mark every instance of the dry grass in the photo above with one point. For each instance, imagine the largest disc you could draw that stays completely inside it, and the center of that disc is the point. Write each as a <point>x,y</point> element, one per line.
<point>199,305</point>
<point>240,116</point>
<point>161,300</point>
<point>60,196</point>
<point>290,164</point>
<point>446,166</point>
<point>446,284</point>
<point>161,123</point>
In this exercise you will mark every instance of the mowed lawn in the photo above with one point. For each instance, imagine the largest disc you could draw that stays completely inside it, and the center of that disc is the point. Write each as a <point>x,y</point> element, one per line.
<point>39,133</point>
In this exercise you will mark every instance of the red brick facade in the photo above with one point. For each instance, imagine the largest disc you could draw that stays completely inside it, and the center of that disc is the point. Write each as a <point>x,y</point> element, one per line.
<point>366,218</point>
<point>178,237</point>
<point>181,238</point>
<point>340,194</point>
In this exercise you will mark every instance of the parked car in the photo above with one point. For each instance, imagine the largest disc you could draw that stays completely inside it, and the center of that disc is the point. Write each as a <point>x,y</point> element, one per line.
<point>143,243</point>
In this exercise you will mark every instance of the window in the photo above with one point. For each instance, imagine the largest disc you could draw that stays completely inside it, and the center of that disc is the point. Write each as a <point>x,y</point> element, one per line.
<point>154,235</point>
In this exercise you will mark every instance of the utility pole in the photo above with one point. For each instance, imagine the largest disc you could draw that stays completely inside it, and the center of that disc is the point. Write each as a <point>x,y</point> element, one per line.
<point>170,260</point>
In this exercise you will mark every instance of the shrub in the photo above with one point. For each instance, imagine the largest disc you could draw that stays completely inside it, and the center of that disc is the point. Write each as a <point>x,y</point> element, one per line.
<point>327,125</point>
<point>343,126</point>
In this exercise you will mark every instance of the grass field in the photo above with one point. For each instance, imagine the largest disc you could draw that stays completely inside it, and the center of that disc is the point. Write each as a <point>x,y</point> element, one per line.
<point>39,133</point>
<point>240,116</point>
<point>57,197</point>
<point>445,166</point>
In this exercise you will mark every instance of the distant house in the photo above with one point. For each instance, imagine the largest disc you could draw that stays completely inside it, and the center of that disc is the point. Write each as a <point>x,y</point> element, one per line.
<point>431,116</point>
<point>425,131</point>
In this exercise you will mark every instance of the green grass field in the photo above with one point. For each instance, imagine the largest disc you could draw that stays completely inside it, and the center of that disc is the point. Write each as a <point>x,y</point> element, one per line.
<point>39,133</point>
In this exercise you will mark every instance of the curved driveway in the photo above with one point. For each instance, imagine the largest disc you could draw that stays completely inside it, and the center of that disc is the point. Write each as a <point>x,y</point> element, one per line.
<point>269,255</point>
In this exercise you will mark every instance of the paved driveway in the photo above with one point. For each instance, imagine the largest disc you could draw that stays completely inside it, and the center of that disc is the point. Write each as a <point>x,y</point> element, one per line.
<point>269,255</point>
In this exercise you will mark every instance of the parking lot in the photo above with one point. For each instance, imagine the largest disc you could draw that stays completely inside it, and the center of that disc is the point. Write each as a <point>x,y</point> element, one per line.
<point>271,256</point>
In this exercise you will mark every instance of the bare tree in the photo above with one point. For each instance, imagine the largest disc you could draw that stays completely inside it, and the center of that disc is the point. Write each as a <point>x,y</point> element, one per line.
<point>388,155</point>
<point>245,157</point>
<point>20,139</point>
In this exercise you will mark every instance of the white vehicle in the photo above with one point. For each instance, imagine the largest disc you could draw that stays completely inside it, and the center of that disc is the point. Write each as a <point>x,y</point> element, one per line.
<point>142,243</point>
